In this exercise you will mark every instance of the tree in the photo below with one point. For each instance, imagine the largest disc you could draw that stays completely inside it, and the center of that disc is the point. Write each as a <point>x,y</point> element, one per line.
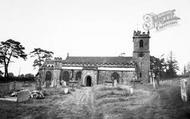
<point>11,74</point>
<point>188,67</point>
<point>10,49</point>
<point>186,70</point>
<point>41,55</point>
<point>1,62</point>
<point>158,67</point>
<point>172,66</point>
<point>29,75</point>
<point>1,73</point>
<point>21,76</point>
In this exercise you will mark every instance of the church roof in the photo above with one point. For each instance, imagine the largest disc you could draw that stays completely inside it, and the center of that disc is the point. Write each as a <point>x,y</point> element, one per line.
<point>98,60</point>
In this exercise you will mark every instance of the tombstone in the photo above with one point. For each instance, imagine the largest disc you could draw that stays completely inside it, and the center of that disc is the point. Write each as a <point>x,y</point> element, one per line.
<point>153,80</point>
<point>66,90</point>
<point>134,78</point>
<point>131,91</point>
<point>38,85</point>
<point>23,95</point>
<point>48,84</point>
<point>44,85</point>
<point>150,77</point>
<point>184,96</point>
<point>63,83</point>
<point>115,83</point>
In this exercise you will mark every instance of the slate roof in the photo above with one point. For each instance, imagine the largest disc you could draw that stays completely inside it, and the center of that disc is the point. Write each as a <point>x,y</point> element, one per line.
<point>98,60</point>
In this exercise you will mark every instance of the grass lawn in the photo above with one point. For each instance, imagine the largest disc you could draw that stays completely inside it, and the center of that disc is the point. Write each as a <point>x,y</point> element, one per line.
<point>116,102</point>
<point>42,108</point>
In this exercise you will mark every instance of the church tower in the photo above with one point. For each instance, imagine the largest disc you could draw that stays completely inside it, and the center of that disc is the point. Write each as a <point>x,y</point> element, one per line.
<point>141,55</point>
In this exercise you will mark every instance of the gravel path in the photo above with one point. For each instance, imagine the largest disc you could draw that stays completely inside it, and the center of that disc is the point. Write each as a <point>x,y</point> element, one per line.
<point>78,105</point>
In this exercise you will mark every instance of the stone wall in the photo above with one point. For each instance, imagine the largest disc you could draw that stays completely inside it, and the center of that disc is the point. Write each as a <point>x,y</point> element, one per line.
<point>98,77</point>
<point>128,76</point>
<point>124,76</point>
<point>104,76</point>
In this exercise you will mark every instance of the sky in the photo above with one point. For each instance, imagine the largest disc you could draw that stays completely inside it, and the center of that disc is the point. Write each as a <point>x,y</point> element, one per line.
<point>91,28</point>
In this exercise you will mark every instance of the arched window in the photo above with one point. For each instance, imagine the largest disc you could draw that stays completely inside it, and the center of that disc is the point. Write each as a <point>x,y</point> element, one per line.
<point>78,75</point>
<point>141,43</point>
<point>48,76</point>
<point>140,75</point>
<point>66,76</point>
<point>115,76</point>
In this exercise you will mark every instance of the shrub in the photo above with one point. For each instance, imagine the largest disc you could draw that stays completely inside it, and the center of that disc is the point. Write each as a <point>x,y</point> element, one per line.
<point>10,79</point>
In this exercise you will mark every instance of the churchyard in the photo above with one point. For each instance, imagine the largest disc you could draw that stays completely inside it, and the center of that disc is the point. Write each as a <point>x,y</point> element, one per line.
<point>103,102</point>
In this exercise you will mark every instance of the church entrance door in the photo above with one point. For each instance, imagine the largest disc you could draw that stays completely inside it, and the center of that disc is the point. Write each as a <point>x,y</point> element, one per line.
<point>88,81</point>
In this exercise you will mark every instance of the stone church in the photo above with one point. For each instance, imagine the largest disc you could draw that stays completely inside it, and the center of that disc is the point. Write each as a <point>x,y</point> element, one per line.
<point>89,71</point>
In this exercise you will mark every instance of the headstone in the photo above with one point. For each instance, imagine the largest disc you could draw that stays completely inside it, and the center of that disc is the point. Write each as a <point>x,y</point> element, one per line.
<point>51,83</point>
<point>44,84</point>
<point>184,96</point>
<point>64,83</point>
<point>131,91</point>
<point>153,82</point>
<point>115,83</point>
<point>150,77</point>
<point>48,84</point>
<point>38,83</point>
<point>23,95</point>
<point>66,90</point>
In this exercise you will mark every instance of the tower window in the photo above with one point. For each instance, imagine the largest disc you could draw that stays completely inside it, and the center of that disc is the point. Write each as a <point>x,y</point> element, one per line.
<point>141,44</point>
<point>140,75</point>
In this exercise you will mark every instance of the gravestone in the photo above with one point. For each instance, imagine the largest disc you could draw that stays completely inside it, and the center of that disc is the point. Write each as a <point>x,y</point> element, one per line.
<point>184,95</point>
<point>64,83</point>
<point>38,83</point>
<point>66,90</point>
<point>115,83</point>
<point>108,83</point>
<point>153,80</point>
<point>131,91</point>
<point>23,95</point>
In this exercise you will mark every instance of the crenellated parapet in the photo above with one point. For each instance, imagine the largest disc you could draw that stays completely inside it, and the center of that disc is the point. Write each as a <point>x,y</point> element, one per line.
<point>58,59</point>
<point>57,62</point>
<point>141,34</point>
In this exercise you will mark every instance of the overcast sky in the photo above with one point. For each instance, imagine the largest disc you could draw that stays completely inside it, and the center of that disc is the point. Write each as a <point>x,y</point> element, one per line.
<point>91,27</point>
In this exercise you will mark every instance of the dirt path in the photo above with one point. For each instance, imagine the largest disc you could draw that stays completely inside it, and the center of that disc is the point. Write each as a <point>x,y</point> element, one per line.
<point>78,105</point>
